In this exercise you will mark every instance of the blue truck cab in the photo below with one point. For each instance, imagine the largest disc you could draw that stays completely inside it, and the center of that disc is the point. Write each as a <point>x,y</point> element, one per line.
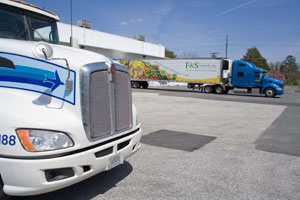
<point>246,75</point>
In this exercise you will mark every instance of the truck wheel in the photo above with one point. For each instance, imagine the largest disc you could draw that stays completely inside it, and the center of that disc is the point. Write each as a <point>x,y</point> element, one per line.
<point>270,92</point>
<point>145,85</point>
<point>3,196</point>
<point>208,89</point>
<point>226,90</point>
<point>219,89</point>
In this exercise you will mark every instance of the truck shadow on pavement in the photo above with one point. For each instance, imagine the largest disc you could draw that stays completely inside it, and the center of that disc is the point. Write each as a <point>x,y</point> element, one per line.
<point>89,188</point>
<point>231,94</point>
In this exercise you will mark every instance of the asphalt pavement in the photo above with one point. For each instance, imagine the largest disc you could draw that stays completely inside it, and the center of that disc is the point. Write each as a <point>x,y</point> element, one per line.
<point>205,146</point>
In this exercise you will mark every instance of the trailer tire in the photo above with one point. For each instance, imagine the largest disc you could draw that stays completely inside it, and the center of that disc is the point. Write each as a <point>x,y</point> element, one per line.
<point>208,89</point>
<point>219,89</point>
<point>145,85</point>
<point>270,92</point>
<point>136,84</point>
<point>3,196</point>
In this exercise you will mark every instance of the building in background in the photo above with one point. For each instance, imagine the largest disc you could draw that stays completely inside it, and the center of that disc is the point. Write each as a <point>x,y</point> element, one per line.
<point>113,46</point>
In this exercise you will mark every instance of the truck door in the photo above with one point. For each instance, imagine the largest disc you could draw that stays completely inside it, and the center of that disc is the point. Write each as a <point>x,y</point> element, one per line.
<point>242,75</point>
<point>257,79</point>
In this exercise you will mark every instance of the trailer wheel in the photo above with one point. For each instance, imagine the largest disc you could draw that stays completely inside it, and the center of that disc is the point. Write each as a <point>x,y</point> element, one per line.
<point>3,196</point>
<point>219,89</point>
<point>145,85</point>
<point>136,84</point>
<point>270,92</point>
<point>208,89</point>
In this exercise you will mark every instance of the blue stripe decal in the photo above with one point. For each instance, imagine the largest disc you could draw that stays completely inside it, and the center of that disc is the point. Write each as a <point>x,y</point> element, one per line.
<point>25,80</point>
<point>39,76</point>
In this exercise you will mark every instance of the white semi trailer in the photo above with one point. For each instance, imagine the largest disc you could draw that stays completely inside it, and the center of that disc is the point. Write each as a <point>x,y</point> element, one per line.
<point>66,114</point>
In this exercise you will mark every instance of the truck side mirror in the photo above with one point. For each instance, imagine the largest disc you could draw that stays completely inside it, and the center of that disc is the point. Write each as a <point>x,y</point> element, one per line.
<point>43,50</point>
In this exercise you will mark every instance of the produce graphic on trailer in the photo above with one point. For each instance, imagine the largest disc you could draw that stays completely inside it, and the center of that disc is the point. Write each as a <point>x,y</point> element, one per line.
<point>144,70</point>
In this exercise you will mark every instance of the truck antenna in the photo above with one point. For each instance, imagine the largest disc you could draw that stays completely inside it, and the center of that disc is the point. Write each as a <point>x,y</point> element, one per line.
<point>226,50</point>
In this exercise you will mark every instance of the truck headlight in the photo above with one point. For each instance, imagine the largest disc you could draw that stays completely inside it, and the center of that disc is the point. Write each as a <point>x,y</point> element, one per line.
<point>43,140</point>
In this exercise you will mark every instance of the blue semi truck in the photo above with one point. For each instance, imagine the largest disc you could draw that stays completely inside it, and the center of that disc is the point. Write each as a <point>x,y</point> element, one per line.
<point>208,75</point>
<point>247,75</point>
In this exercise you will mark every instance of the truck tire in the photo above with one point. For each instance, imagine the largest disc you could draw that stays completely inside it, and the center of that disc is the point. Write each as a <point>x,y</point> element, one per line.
<point>3,196</point>
<point>270,92</point>
<point>145,85</point>
<point>219,89</point>
<point>226,90</point>
<point>208,89</point>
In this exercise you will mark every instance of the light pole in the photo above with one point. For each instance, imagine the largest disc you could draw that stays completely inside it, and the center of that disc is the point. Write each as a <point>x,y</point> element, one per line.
<point>299,77</point>
<point>226,50</point>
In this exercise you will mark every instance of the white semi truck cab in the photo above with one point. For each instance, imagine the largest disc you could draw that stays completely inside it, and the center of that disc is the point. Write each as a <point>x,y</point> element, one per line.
<point>66,114</point>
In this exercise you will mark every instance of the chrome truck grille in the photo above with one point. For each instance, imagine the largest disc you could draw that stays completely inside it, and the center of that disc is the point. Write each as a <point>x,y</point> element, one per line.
<point>105,100</point>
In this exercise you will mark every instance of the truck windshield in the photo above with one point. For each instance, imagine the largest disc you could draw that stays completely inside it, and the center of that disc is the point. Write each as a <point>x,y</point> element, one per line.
<point>24,25</point>
<point>265,74</point>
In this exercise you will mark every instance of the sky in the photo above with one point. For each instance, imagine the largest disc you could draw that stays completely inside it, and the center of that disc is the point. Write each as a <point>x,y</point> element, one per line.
<point>195,27</point>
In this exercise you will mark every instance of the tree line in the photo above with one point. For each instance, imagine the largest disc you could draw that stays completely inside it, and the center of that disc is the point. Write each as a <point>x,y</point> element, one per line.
<point>288,68</point>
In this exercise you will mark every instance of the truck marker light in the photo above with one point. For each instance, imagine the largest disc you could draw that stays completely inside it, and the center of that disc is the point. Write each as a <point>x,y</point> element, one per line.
<point>24,138</point>
<point>31,5</point>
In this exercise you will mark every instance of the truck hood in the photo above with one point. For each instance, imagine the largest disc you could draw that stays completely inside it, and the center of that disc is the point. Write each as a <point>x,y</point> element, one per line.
<point>76,57</point>
<point>275,81</point>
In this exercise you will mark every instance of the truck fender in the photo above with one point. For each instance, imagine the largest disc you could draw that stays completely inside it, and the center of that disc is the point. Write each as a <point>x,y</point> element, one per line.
<point>273,86</point>
<point>270,85</point>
